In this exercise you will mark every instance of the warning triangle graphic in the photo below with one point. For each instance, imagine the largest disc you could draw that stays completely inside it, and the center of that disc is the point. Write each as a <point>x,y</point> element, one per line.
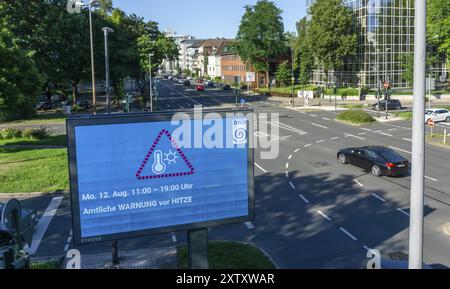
<point>161,162</point>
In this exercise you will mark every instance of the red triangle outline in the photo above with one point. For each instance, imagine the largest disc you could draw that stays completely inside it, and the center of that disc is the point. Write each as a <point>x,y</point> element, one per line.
<point>150,152</point>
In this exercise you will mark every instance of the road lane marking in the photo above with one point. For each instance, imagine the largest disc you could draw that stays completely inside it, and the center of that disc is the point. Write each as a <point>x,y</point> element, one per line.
<point>287,165</point>
<point>407,139</point>
<point>249,225</point>
<point>362,133</point>
<point>292,185</point>
<point>174,238</point>
<point>320,141</point>
<point>334,138</point>
<point>366,129</point>
<point>367,248</point>
<point>287,174</point>
<point>288,128</point>
<point>355,136</point>
<point>394,148</point>
<point>325,216</point>
<point>379,198</point>
<point>392,129</point>
<point>403,212</point>
<point>326,118</point>
<point>359,183</point>
<point>303,198</point>
<point>313,115</point>
<point>348,234</point>
<point>44,222</point>
<point>297,150</point>
<point>290,157</point>
<point>308,145</point>
<point>386,134</point>
<point>261,168</point>
<point>431,179</point>
<point>318,125</point>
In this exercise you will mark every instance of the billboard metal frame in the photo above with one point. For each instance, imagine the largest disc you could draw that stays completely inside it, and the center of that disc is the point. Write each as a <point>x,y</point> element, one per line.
<point>97,120</point>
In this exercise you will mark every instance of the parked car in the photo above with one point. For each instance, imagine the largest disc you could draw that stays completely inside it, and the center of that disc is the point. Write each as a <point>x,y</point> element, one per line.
<point>199,81</point>
<point>392,104</point>
<point>378,160</point>
<point>174,79</point>
<point>200,88</point>
<point>40,105</point>
<point>211,84</point>
<point>438,114</point>
<point>226,87</point>
<point>84,104</point>
<point>187,82</point>
<point>48,105</point>
<point>181,81</point>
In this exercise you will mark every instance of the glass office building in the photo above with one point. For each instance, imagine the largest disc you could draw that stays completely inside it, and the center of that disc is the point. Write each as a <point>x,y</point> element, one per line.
<point>386,38</point>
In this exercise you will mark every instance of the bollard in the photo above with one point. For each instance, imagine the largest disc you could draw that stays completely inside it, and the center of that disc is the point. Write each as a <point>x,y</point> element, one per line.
<point>445,136</point>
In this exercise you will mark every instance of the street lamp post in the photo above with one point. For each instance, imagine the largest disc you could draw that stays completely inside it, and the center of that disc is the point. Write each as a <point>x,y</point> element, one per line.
<point>90,5</point>
<point>378,82</point>
<point>151,84</point>
<point>107,30</point>
<point>418,139</point>
<point>293,78</point>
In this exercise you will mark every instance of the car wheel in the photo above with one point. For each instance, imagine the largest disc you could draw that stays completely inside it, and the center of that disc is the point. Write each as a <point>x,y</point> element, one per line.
<point>376,171</point>
<point>447,119</point>
<point>343,159</point>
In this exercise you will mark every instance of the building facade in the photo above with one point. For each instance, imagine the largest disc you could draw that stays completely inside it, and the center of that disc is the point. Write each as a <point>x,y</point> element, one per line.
<point>386,39</point>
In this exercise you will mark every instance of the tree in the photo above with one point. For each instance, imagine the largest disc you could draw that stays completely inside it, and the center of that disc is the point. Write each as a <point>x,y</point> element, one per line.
<point>303,54</point>
<point>332,34</point>
<point>20,81</point>
<point>438,23</point>
<point>283,74</point>
<point>408,68</point>
<point>261,35</point>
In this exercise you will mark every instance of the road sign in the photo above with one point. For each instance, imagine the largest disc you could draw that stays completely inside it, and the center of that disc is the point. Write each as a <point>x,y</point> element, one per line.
<point>133,175</point>
<point>430,123</point>
<point>251,76</point>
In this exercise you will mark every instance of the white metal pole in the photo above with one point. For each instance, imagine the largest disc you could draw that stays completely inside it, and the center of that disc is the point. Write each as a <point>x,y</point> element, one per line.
<point>94,98</point>
<point>418,139</point>
<point>151,84</point>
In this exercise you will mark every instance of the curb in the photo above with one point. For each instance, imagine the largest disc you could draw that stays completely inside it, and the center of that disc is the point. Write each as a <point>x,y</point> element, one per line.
<point>36,194</point>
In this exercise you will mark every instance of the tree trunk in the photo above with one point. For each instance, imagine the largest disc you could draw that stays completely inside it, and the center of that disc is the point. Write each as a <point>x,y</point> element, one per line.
<point>74,91</point>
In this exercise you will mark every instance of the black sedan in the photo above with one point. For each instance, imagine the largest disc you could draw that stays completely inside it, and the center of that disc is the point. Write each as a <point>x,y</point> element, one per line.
<point>392,104</point>
<point>226,87</point>
<point>380,161</point>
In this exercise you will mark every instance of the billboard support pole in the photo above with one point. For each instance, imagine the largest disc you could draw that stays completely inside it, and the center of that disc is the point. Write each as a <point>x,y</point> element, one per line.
<point>198,248</point>
<point>115,253</point>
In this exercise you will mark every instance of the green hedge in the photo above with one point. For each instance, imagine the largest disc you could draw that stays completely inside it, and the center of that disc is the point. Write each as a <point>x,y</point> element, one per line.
<point>356,117</point>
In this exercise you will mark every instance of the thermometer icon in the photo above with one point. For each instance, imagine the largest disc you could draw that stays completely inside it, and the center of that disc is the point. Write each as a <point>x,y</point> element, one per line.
<point>159,167</point>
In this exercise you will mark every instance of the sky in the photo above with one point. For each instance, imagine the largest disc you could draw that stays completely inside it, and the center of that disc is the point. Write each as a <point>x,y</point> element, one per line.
<point>205,18</point>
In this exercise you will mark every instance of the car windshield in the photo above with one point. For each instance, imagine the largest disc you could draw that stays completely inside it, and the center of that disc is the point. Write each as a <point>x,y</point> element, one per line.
<point>391,156</point>
<point>428,112</point>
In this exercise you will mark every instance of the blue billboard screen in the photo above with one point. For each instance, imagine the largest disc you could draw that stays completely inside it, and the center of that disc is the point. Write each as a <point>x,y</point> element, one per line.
<point>137,176</point>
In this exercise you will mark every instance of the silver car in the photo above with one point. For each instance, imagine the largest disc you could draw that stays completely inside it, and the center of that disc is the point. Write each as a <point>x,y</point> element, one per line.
<point>437,115</point>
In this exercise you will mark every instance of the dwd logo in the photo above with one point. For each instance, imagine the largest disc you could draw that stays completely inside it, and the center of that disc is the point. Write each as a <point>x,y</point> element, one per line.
<point>240,133</point>
<point>73,259</point>
<point>375,261</point>
<point>74,6</point>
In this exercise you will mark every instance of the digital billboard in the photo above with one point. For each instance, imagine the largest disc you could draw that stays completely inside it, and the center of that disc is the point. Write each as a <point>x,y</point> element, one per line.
<point>133,175</point>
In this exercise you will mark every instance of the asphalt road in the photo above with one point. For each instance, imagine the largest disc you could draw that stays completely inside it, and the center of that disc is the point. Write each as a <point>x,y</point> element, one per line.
<point>311,212</point>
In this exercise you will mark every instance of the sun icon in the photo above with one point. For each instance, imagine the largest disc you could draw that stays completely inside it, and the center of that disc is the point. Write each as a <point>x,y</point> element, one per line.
<point>171,157</point>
